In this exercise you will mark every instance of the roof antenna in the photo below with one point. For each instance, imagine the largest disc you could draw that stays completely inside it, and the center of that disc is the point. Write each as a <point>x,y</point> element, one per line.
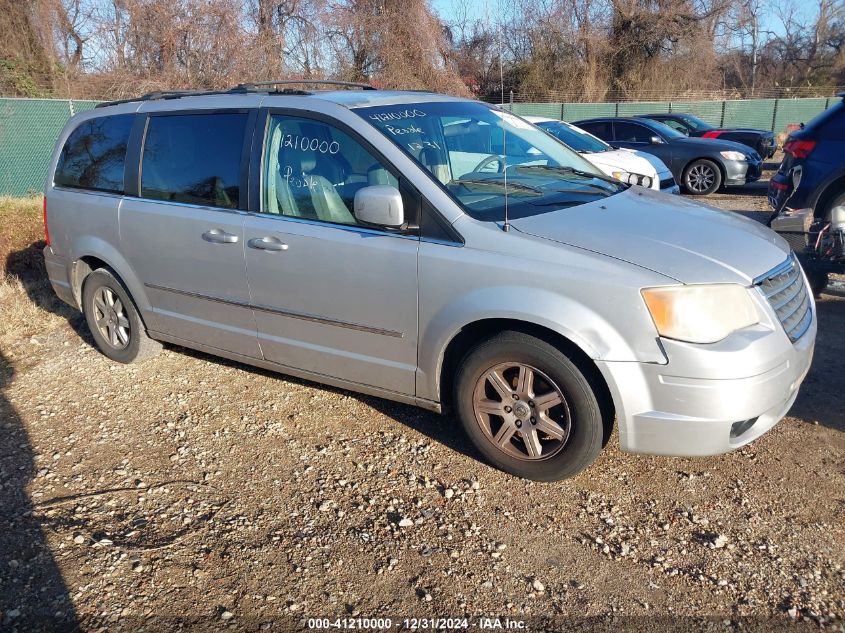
<point>506,226</point>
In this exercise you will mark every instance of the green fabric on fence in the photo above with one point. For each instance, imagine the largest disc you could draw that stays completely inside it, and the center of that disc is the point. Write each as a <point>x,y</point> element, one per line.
<point>29,127</point>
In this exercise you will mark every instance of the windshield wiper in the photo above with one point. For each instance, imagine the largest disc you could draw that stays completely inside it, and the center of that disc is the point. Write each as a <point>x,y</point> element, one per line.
<point>499,184</point>
<point>565,169</point>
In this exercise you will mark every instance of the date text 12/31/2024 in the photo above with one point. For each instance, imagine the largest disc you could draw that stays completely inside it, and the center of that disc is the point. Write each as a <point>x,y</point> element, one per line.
<point>418,624</point>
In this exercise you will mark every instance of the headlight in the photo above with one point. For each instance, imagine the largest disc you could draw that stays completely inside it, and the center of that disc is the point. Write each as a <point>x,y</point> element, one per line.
<point>731,155</point>
<point>700,313</point>
<point>633,179</point>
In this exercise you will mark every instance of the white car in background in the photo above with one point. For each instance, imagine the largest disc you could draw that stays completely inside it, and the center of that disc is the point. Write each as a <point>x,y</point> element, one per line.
<point>617,163</point>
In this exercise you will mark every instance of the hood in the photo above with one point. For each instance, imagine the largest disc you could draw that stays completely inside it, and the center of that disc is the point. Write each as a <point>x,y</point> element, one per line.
<point>684,240</point>
<point>620,159</point>
<point>659,166</point>
<point>718,144</point>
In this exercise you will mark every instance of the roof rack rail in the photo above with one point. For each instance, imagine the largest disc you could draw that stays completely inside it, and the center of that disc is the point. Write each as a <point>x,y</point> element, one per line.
<point>288,82</point>
<point>257,86</point>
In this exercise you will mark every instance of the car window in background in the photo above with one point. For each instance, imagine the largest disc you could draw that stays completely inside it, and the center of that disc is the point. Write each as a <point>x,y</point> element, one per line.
<point>627,132</point>
<point>486,158</point>
<point>697,124</point>
<point>676,125</point>
<point>194,158</point>
<point>574,138</point>
<point>601,129</point>
<point>95,154</point>
<point>661,129</point>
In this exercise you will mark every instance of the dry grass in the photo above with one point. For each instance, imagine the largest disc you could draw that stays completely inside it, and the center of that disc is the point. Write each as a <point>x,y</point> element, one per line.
<point>28,305</point>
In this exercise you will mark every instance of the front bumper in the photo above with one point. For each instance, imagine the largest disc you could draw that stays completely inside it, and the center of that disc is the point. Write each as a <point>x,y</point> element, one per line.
<point>688,406</point>
<point>740,172</point>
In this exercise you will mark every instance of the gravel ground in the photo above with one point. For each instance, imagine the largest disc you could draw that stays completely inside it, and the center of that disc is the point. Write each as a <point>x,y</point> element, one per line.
<point>191,491</point>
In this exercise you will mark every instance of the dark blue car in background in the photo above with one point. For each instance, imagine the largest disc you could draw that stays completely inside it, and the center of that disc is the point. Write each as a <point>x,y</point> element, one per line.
<point>819,147</point>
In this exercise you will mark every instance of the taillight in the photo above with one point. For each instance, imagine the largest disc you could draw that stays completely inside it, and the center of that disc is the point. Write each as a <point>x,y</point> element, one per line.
<point>712,134</point>
<point>799,148</point>
<point>46,230</point>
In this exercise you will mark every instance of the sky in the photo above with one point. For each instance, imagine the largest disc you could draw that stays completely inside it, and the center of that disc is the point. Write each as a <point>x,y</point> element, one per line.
<point>479,9</point>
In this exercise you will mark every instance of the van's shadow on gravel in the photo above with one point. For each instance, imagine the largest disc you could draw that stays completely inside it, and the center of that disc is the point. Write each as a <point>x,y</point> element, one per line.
<point>33,594</point>
<point>28,265</point>
<point>820,398</point>
<point>444,429</point>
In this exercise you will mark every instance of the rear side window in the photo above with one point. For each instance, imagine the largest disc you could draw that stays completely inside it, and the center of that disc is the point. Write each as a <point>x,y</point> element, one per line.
<point>632,133</point>
<point>94,154</point>
<point>602,129</point>
<point>194,158</point>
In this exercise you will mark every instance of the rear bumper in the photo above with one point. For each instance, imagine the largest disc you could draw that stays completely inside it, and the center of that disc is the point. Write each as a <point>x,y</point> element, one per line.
<point>695,404</point>
<point>58,272</point>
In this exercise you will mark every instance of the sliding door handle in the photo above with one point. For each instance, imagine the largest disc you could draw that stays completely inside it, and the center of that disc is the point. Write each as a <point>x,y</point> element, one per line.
<point>217,236</point>
<point>267,243</point>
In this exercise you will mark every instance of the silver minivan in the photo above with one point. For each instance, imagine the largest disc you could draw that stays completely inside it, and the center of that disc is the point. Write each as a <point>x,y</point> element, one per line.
<point>431,250</point>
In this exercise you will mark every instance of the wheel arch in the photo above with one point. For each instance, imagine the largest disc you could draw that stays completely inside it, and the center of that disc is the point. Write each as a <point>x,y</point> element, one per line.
<point>828,193</point>
<point>93,253</point>
<point>711,159</point>
<point>480,330</point>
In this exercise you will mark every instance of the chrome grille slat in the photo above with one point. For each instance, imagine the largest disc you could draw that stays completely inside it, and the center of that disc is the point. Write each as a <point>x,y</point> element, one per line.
<point>788,282</point>
<point>785,291</point>
<point>783,300</point>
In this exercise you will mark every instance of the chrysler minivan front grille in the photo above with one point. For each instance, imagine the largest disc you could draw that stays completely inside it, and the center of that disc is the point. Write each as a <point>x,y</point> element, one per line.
<point>786,292</point>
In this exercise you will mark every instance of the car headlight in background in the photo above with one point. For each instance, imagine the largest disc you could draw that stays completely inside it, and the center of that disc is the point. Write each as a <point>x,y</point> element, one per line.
<point>633,179</point>
<point>700,313</point>
<point>732,155</point>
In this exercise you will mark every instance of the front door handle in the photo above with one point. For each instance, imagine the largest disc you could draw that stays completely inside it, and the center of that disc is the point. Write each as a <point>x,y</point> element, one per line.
<point>267,243</point>
<point>216,236</point>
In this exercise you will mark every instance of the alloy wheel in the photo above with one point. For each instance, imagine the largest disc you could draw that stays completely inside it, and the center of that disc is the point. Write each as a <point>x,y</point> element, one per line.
<point>110,317</point>
<point>700,178</point>
<point>522,411</point>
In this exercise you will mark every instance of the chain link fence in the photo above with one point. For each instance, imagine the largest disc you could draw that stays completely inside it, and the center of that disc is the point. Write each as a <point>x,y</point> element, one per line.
<point>29,127</point>
<point>28,131</point>
<point>768,114</point>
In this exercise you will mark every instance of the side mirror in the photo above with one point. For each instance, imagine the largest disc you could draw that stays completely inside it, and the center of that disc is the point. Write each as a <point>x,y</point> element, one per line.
<point>655,140</point>
<point>379,205</point>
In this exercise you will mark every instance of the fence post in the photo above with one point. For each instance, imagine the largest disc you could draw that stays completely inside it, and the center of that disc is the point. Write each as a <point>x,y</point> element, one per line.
<point>70,106</point>
<point>775,114</point>
<point>617,109</point>
<point>670,107</point>
<point>562,110</point>
<point>722,120</point>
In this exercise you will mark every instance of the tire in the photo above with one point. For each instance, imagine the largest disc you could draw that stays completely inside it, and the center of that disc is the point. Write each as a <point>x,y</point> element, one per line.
<point>556,440</point>
<point>114,320</point>
<point>838,200</point>
<point>702,177</point>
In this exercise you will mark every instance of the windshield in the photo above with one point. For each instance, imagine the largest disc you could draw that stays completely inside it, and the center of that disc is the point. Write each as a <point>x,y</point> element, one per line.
<point>488,159</point>
<point>696,124</point>
<point>577,139</point>
<point>663,129</point>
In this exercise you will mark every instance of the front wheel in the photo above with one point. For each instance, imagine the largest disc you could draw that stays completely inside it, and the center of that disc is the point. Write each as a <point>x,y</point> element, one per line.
<point>702,177</point>
<point>528,408</point>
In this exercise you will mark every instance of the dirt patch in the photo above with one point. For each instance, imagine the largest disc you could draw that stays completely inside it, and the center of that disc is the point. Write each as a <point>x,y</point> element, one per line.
<point>188,490</point>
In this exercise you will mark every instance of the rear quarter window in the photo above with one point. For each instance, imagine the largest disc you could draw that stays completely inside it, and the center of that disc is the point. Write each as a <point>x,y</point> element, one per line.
<point>94,154</point>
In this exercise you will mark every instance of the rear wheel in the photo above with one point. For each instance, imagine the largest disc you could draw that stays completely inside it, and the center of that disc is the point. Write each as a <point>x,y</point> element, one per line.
<point>528,408</point>
<point>702,177</point>
<point>114,320</point>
